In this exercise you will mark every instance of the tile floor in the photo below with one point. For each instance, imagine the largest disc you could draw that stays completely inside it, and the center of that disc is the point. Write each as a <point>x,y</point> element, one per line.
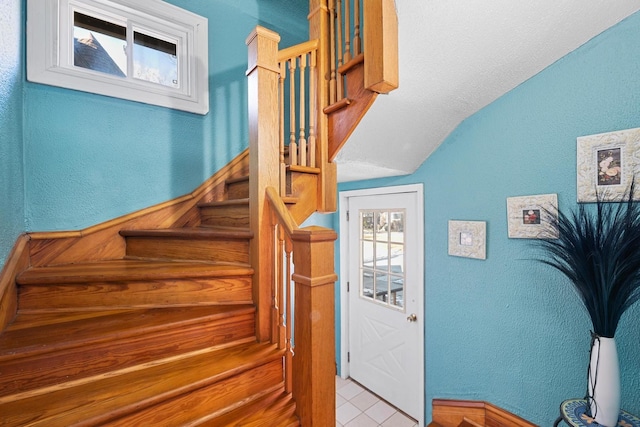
<point>358,407</point>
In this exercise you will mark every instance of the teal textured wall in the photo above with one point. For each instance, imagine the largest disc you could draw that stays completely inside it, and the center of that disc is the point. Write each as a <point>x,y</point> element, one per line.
<point>11,165</point>
<point>508,330</point>
<point>90,158</point>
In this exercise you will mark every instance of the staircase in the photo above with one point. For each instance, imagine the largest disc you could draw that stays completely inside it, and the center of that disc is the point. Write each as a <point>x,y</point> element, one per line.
<point>164,336</point>
<point>181,314</point>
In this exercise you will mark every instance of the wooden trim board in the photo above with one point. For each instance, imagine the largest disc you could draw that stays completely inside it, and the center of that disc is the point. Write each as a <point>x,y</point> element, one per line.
<point>450,413</point>
<point>103,242</point>
<point>16,263</point>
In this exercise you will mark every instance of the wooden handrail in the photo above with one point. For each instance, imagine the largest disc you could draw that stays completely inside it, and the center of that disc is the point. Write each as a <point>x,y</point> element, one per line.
<point>297,50</point>
<point>279,209</point>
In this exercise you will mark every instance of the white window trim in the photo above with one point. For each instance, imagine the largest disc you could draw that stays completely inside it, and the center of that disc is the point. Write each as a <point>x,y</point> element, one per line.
<point>49,40</point>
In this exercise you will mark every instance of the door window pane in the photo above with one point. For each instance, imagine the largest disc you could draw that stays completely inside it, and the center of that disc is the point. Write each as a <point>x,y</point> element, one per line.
<point>382,287</point>
<point>382,257</point>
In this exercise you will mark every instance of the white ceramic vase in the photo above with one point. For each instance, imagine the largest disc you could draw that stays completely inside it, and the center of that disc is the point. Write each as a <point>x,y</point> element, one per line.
<point>604,382</point>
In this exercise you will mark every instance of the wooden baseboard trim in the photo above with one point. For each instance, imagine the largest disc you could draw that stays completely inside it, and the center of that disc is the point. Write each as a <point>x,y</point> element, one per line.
<point>450,413</point>
<point>16,263</point>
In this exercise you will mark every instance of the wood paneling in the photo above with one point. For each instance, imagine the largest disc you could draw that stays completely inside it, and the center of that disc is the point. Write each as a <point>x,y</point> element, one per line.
<point>451,413</point>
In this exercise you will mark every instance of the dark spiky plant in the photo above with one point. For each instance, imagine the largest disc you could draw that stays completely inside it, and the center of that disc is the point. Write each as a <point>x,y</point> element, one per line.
<point>598,250</point>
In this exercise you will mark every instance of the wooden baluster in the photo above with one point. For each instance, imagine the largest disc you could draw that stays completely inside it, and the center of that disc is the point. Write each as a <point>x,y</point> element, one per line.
<point>293,149</point>
<point>332,51</point>
<point>283,166</point>
<point>339,83</point>
<point>302,142</point>
<point>357,41</point>
<point>313,108</point>
<point>277,279</point>
<point>347,31</point>
<point>283,315</point>
<point>288,365</point>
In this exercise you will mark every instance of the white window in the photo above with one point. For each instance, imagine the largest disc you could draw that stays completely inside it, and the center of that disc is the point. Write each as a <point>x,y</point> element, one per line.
<point>141,50</point>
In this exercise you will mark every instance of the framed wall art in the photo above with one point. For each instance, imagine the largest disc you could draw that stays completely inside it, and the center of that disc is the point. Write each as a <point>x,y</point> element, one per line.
<point>606,165</point>
<point>468,239</point>
<point>533,217</point>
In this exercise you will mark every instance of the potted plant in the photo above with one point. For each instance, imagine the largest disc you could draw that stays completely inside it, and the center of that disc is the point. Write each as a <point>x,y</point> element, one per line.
<point>598,250</point>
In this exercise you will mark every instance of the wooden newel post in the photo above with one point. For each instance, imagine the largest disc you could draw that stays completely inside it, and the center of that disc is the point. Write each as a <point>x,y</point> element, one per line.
<point>381,46</point>
<point>262,78</point>
<point>314,326</point>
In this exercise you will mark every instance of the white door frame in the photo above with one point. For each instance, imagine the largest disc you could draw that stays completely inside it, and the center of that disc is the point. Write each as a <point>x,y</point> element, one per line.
<point>344,267</point>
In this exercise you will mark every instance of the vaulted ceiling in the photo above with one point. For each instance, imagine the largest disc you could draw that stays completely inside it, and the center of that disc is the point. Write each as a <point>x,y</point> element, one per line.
<point>457,56</point>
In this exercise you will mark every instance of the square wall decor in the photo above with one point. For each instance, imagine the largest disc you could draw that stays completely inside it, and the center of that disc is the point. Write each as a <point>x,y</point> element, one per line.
<point>606,164</point>
<point>533,217</point>
<point>468,239</point>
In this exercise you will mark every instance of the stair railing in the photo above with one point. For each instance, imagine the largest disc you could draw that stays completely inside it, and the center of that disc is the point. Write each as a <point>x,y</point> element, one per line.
<point>345,26</point>
<point>303,270</point>
<point>298,107</point>
<point>289,92</point>
<point>278,243</point>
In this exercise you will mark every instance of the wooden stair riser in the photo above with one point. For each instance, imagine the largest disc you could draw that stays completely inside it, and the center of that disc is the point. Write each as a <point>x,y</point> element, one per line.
<point>33,371</point>
<point>226,215</point>
<point>236,251</point>
<point>238,188</point>
<point>136,294</point>
<point>101,400</point>
<point>273,410</point>
<point>210,402</point>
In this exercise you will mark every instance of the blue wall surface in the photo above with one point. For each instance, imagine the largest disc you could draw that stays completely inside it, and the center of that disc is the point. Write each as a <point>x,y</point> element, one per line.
<point>508,330</point>
<point>90,158</point>
<point>11,166</point>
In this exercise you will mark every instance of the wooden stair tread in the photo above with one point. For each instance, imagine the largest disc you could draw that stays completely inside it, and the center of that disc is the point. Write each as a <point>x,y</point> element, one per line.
<point>147,385</point>
<point>128,269</point>
<point>231,181</point>
<point>30,335</point>
<point>230,202</point>
<point>290,200</point>
<point>193,233</point>
<point>275,409</point>
<point>338,105</point>
<point>354,62</point>
<point>303,169</point>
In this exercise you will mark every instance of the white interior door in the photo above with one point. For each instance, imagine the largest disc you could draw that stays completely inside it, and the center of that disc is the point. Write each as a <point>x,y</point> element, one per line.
<point>385,298</point>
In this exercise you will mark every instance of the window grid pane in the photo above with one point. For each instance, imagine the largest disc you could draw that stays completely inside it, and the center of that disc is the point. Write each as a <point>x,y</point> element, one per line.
<point>155,60</point>
<point>99,45</point>
<point>382,257</point>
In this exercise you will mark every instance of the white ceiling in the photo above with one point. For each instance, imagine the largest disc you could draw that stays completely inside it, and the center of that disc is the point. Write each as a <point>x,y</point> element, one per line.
<point>457,56</point>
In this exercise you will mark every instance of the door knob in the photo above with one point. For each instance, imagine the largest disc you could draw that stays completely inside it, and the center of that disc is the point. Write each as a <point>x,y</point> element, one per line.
<point>412,318</point>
